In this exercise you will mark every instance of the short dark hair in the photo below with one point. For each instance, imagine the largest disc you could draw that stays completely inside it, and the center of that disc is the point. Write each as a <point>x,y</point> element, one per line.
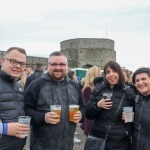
<point>38,65</point>
<point>56,53</point>
<point>21,50</point>
<point>71,74</point>
<point>116,67</point>
<point>139,71</point>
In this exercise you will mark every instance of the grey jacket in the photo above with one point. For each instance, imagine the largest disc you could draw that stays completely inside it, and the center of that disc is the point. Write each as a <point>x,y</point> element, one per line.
<point>42,93</point>
<point>11,106</point>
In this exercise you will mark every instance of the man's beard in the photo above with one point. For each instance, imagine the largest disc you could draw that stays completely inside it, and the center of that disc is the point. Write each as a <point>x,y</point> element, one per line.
<point>58,78</point>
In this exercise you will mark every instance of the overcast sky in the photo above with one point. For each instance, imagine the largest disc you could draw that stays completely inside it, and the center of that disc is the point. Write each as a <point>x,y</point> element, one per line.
<point>40,25</point>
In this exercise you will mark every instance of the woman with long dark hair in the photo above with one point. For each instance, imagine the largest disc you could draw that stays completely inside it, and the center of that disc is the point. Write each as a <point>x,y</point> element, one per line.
<point>103,110</point>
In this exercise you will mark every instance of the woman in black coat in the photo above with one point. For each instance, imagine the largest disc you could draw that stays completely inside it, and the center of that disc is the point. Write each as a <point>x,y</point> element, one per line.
<point>103,110</point>
<point>141,138</point>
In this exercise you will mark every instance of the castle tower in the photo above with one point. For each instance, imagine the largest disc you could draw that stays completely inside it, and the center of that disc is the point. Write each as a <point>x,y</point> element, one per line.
<point>86,52</point>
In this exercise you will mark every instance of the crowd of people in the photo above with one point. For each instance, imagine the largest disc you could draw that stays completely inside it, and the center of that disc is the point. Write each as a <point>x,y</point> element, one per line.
<point>28,90</point>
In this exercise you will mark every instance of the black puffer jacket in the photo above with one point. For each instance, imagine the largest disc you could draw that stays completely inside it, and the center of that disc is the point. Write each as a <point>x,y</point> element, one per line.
<point>11,106</point>
<point>141,138</point>
<point>42,93</point>
<point>117,138</point>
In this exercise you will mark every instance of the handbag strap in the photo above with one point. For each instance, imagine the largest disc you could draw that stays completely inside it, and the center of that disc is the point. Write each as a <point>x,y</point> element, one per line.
<point>119,105</point>
<point>115,115</point>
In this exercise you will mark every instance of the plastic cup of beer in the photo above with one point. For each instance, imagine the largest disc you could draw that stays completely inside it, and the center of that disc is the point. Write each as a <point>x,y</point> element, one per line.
<point>128,113</point>
<point>72,110</point>
<point>57,109</point>
<point>24,120</point>
<point>107,95</point>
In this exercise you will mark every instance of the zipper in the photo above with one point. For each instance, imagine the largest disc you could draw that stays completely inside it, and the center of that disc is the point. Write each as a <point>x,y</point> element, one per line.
<point>140,123</point>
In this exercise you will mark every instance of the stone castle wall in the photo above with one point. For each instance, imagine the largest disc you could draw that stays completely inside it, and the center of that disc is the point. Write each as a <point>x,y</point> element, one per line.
<point>31,60</point>
<point>86,52</point>
<point>81,52</point>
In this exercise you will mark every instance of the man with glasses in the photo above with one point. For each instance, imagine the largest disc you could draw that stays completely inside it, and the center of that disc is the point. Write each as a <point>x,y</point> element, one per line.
<point>12,100</point>
<point>48,132</point>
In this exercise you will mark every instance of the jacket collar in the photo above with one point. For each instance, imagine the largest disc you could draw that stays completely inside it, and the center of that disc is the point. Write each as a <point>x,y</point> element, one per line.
<point>6,77</point>
<point>46,76</point>
<point>37,70</point>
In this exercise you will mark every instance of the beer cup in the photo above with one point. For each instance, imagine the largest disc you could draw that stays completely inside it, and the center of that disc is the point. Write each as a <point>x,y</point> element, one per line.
<point>72,110</point>
<point>107,95</point>
<point>57,109</point>
<point>128,113</point>
<point>24,120</point>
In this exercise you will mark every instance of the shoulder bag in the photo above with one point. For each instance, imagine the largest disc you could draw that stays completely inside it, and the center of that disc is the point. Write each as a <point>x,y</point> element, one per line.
<point>97,143</point>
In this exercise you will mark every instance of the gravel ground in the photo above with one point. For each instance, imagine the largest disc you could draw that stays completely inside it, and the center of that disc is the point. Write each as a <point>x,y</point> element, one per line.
<point>77,146</point>
<point>80,135</point>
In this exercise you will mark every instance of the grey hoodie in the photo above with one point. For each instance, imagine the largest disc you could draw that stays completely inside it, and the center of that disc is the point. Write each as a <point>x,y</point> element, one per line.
<point>42,93</point>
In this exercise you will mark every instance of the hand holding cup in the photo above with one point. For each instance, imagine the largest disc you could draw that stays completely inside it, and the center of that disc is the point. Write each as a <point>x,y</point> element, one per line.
<point>25,120</point>
<point>128,114</point>
<point>105,102</point>
<point>74,113</point>
<point>53,116</point>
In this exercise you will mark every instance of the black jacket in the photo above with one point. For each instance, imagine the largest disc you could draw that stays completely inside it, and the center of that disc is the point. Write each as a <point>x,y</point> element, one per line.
<point>42,93</point>
<point>118,137</point>
<point>141,138</point>
<point>11,107</point>
<point>33,76</point>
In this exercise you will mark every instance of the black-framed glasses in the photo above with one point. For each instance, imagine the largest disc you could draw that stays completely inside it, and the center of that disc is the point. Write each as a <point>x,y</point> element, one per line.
<point>15,62</point>
<point>55,65</point>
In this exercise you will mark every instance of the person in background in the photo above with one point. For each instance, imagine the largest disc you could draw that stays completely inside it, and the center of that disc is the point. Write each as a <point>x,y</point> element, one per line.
<point>38,71</point>
<point>92,73</point>
<point>103,110</point>
<point>12,99</point>
<point>22,81</point>
<point>141,136</point>
<point>82,81</point>
<point>53,88</point>
<point>78,80</point>
<point>29,70</point>
<point>126,75</point>
<point>72,75</point>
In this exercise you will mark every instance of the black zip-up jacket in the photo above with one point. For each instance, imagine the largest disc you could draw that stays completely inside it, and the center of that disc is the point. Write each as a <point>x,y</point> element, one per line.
<point>42,93</point>
<point>11,107</point>
<point>141,137</point>
<point>118,137</point>
<point>33,76</point>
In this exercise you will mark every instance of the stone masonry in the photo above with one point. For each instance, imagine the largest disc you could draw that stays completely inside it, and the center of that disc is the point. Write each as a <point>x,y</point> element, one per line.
<point>81,52</point>
<point>86,52</point>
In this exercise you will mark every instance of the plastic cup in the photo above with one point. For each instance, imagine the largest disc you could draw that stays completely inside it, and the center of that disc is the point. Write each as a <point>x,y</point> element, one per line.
<point>57,109</point>
<point>24,120</point>
<point>72,110</point>
<point>107,95</point>
<point>128,113</point>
